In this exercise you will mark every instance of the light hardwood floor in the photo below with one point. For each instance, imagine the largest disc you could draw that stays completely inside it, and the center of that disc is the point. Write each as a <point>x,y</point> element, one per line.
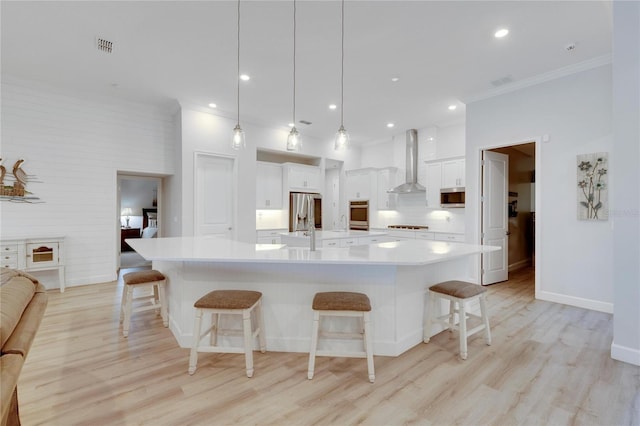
<point>549,365</point>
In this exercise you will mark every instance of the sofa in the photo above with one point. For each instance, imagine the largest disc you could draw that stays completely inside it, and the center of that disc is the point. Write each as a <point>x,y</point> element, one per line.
<point>23,301</point>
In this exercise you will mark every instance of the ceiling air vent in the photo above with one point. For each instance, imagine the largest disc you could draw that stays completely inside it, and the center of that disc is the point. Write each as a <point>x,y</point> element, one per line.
<point>501,81</point>
<point>104,45</point>
<point>305,122</point>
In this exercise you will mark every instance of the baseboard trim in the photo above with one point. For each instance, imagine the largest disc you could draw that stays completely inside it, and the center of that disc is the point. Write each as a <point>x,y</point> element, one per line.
<point>625,354</point>
<point>519,265</point>
<point>579,302</point>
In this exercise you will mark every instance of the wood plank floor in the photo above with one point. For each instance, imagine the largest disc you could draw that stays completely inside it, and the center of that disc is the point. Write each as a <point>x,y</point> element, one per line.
<point>549,365</point>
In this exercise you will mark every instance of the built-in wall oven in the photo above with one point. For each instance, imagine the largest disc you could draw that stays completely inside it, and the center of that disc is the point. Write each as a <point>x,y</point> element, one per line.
<point>359,215</point>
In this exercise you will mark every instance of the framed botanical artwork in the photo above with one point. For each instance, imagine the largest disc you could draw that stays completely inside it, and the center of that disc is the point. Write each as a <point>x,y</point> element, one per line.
<point>592,186</point>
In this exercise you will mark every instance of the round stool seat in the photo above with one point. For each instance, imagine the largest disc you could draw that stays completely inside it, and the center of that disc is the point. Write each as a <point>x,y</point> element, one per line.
<point>142,277</point>
<point>459,289</point>
<point>228,299</point>
<point>341,301</point>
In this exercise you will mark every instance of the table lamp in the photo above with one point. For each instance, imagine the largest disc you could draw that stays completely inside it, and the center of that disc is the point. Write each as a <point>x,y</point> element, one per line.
<point>126,212</point>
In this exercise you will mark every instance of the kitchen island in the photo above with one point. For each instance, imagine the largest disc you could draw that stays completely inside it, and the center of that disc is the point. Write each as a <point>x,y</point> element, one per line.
<point>393,274</point>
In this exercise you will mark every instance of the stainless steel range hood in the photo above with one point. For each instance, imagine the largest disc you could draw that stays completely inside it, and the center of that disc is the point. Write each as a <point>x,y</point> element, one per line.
<point>411,185</point>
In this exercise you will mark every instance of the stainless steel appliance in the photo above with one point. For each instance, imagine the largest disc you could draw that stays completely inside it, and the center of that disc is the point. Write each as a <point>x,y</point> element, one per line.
<point>359,215</point>
<point>299,210</point>
<point>411,185</point>
<point>452,197</point>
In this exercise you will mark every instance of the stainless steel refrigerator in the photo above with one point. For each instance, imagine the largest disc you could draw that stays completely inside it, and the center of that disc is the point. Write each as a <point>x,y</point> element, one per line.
<point>299,210</point>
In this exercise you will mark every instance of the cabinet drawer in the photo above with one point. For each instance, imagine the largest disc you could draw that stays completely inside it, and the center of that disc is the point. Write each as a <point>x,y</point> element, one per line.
<point>450,237</point>
<point>425,236</point>
<point>9,260</point>
<point>9,248</point>
<point>330,243</point>
<point>269,240</point>
<point>347,242</point>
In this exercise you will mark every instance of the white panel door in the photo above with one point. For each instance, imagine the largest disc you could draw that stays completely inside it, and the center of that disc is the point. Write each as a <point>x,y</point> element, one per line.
<point>214,195</point>
<point>495,219</point>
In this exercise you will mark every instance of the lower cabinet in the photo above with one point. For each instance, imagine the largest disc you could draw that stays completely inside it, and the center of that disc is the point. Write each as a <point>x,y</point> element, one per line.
<point>269,236</point>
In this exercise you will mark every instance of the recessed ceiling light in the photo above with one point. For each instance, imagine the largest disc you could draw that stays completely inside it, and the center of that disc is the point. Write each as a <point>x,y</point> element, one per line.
<point>452,107</point>
<point>501,33</point>
<point>244,77</point>
<point>390,125</point>
<point>212,105</point>
<point>394,79</point>
<point>333,106</point>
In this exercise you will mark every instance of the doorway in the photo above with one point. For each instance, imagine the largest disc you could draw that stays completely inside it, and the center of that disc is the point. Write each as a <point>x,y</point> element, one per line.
<point>508,209</point>
<point>138,216</point>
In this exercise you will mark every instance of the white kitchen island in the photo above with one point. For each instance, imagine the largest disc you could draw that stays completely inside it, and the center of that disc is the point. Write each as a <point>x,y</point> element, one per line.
<point>393,274</point>
<point>344,238</point>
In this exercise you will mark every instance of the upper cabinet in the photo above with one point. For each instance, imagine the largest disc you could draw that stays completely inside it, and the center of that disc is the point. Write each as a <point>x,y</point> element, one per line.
<point>300,177</point>
<point>453,173</point>
<point>361,184</point>
<point>268,186</point>
<point>433,181</point>
<point>387,179</point>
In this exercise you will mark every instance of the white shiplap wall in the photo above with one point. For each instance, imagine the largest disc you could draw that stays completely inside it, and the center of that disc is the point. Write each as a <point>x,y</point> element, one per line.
<point>75,145</point>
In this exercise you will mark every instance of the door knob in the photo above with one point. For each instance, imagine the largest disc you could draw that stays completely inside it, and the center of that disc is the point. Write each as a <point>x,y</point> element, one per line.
<point>508,233</point>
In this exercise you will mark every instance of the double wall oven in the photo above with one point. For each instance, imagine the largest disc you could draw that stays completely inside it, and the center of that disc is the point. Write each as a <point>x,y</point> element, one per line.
<point>359,215</point>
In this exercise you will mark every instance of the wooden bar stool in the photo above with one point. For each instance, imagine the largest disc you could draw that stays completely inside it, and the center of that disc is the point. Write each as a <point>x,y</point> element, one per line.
<point>458,293</point>
<point>228,302</point>
<point>342,304</point>
<point>149,280</point>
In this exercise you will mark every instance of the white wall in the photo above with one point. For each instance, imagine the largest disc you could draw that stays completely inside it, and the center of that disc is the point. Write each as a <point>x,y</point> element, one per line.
<point>626,192</point>
<point>574,260</point>
<point>76,146</point>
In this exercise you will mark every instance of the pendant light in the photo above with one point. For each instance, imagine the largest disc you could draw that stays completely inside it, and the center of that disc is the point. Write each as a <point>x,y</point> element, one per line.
<point>238,141</point>
<point>342,137</point>
<point>293,140</point>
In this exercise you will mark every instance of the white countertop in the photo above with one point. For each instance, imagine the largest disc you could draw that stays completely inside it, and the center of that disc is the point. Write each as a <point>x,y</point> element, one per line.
<point>213,249</point>
<point>327,235</point>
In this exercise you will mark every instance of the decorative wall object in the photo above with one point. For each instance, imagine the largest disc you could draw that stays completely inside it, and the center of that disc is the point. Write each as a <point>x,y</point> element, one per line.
<point>16,191</point>
<point>592,186</point>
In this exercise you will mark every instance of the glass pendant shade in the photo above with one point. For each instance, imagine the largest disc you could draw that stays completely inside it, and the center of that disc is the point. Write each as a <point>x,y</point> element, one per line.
<point>293,140</point>
<point>342,139</point>
<point>238,138</point>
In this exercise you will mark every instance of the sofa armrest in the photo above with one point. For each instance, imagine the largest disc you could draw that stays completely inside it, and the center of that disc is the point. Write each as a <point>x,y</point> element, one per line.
<point>10,367</point>
<point>22,337</point>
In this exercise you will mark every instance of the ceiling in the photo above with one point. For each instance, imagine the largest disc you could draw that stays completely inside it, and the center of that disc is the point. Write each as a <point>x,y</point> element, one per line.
<point>443,52</point>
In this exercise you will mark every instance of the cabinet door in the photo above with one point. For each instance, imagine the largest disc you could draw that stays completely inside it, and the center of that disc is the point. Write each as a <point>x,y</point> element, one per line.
<point>433,184</point>
<point>301,177</point>
<point>386,181</point>
<point>358,186</point>
<point>452,173</point>
<point>268,186</point>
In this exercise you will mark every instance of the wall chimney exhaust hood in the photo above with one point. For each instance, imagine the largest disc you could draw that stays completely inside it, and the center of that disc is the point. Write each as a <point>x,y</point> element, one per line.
<point>411,185</point>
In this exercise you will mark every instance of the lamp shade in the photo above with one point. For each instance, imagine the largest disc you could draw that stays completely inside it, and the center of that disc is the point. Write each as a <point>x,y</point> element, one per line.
<point>127,211</point>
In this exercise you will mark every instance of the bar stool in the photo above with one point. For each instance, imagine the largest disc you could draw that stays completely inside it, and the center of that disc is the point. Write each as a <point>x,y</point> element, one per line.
<point>458,293</point>
<point>228,302</point>
<point>342,304</point>
<point>149,280</point>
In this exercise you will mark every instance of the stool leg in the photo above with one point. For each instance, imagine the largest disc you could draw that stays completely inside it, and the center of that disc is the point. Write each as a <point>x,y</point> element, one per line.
<point>314,344</point>
<point>248,341</point>
<point>452,315</point>
<point>368,346</point>
<point>156,297</point>
<point>463,329</point>
<point>485,319</point>
<point>261,336</point>
<point>122,302</point>
<point>193,356</point>
<point>431,306</point>
<point>127,311</point>
<point>163,305</point>
<point>213,335</point>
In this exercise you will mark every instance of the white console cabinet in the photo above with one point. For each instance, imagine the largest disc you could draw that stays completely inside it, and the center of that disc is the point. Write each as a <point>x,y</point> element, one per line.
<point>34,254</point>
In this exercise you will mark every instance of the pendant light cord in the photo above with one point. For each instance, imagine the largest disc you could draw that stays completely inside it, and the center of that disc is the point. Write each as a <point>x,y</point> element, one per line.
<point>342,73</point>
<point>294,63</point>
<point>238,76</point>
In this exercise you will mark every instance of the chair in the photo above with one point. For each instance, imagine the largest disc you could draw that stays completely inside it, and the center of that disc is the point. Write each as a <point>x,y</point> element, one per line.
<point>458,293</point>
<point>148,280</point>
<point>342,304</point>
<point>228,302</point>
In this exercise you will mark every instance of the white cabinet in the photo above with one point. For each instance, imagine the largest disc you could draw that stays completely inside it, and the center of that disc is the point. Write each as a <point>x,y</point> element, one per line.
<point>35,254</point>
<point>268,186</point>
<point>334,242</point>
<point>425,236</point>
<point>386,180</point>
<point>433,182</point>
<point>269,236</point>
<point>300,177</point>
<point>453,173</point>
<point>361,184</point>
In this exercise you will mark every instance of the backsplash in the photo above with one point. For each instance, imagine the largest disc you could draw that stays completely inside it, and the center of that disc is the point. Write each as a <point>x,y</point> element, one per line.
<point>272,219</point>
<point>411,210</point>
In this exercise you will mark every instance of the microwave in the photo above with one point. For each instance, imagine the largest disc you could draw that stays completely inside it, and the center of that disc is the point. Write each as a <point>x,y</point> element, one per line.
<point>452,197</point>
